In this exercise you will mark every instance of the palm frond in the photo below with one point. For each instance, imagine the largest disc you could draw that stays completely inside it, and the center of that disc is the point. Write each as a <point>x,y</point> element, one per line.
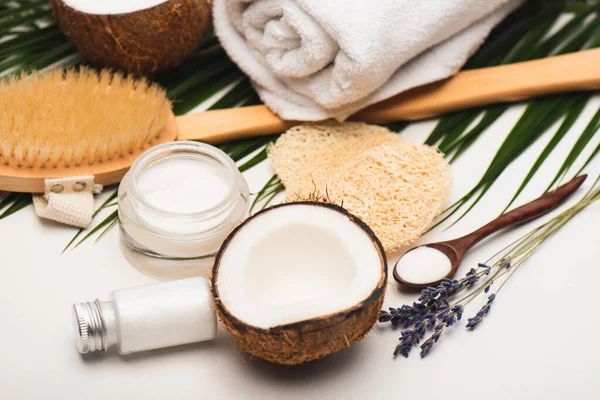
<point>103,227</point>
<point>13,203</point>
<point>30,39</point>
<point>455,133</point>
<point>585,137</point>
<point>267,193</point>
<point>572,115</point>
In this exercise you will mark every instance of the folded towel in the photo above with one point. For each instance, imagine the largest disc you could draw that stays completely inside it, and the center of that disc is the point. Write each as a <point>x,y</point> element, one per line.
<point>316,59</point>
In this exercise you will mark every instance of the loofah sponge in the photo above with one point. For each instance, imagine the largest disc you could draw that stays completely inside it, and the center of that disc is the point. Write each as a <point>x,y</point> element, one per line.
<point>396,186</point>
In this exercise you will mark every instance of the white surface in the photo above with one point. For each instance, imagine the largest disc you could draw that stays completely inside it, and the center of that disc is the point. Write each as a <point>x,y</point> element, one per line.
<point>423,265</point>
<point>103,7</point>
<point>164,314</point>
<point>313,59</point>
<point>296,263</point>
<point>539,342</point>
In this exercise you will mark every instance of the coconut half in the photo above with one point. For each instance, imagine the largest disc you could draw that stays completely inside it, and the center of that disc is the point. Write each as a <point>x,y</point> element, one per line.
<point>299,281</point>
<point>138,36</point>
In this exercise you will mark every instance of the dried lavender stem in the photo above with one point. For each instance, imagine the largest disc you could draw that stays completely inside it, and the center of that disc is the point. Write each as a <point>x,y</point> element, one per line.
<point>434,309</point>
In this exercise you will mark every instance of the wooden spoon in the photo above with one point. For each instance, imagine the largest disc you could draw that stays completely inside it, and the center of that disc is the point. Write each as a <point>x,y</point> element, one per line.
<point>456,249</point>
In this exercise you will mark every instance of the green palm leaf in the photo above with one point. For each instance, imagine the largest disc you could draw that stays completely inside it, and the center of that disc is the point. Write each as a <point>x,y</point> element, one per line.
<point>267,193</point>
<point>585,137</point>
<point>14,202</point>
<point>538,117</point>
<point>572,115</point>
<point>108,223</point>
<point>31,40</point>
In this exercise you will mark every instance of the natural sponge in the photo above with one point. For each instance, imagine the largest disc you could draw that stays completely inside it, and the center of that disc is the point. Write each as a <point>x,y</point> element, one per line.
<point>396,186</point>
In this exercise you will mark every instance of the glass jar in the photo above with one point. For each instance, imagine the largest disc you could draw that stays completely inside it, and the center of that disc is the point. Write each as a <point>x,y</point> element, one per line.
<point>177,204</point>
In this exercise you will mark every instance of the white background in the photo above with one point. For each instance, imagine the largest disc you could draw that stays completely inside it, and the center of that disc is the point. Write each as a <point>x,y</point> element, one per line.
<point>540,340</point>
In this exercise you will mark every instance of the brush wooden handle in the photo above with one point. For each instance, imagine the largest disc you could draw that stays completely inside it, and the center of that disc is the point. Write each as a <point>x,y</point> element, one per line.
<point>229,124</point>
<point>473,88</point>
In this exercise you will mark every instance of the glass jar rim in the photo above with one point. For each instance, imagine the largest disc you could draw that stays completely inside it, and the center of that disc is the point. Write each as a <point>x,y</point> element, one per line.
<point>190,148</point>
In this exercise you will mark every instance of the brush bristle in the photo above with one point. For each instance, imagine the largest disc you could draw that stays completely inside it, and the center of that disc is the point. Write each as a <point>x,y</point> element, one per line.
<point>78,116</point>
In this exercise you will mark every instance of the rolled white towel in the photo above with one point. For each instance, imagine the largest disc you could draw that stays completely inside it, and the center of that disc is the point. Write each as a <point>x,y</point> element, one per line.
<point>317,59</point>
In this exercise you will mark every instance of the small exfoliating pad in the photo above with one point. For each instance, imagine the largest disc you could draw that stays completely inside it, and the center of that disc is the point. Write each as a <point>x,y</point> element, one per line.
<point>396,186</point>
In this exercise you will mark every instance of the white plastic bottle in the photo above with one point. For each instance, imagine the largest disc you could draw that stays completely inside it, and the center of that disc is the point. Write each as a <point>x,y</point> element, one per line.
<point>147,317</point>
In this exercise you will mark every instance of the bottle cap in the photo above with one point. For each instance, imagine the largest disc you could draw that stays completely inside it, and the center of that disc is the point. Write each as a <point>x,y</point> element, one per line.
<point>90,329</point>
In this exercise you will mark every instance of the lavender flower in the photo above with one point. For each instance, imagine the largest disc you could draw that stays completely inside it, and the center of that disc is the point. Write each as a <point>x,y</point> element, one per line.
<point>437,322</point>
<point>437,309</point>
<point>404,316</point>
<point>428,344</point>
<point>487,267</point>
<point>449,288</point>
<point>433,311</point>
<point>471,278</point>
<point>430,319</point>
<point>450,316</point>
<point>436,306</point>
<point>428,294</point>
<point>476,320</point>
<point>421,329</point>
<point>458,311</point>
<point>505,263</point>
<point>445,289</point>
<point>408,339</point>
<point>384,316</point>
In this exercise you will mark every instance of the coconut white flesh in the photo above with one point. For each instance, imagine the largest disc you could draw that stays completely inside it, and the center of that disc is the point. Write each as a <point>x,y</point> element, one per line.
<point>106,7</point>
<point>296,263</point>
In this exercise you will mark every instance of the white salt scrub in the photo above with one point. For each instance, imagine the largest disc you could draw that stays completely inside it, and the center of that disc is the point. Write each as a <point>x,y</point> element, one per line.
<point>423,265</point>
<point>177,205</point>
<point>147,317</point>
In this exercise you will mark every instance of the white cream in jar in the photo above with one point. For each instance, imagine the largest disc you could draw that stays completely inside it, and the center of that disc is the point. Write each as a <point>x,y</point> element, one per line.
<point>177,204</point>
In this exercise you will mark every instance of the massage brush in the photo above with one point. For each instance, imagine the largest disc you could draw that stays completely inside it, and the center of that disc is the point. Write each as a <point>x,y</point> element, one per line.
<point>80,122</point>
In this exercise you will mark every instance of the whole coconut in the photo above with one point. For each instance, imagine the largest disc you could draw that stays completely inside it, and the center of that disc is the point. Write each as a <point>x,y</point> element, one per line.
<point>142,42</point>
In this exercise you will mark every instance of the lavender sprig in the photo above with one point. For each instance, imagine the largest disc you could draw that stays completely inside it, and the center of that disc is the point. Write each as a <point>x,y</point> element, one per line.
<point>428,344</point>
<point>472,277</point>
<point>412,337</point>
<point>437,308</point>
<point>408,339</point>
<point>433,311</point>
<point>476,320</point>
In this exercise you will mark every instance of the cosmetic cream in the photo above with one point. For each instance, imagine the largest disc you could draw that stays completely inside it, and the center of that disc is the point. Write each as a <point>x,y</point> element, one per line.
<point>423,265</point>
<point>148,317</point>
<point>177,204</point>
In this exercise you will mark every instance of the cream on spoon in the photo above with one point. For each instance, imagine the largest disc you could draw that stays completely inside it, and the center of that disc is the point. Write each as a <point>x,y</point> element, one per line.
<point>423,265</point>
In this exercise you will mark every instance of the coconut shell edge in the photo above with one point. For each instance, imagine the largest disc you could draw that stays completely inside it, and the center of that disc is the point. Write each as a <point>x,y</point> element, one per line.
<point>144,42</point>
<point>307,340</point>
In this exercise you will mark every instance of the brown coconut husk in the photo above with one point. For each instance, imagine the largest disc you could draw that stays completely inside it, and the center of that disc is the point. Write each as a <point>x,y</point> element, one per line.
<point>307,340</point>
<point>144,42</point>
